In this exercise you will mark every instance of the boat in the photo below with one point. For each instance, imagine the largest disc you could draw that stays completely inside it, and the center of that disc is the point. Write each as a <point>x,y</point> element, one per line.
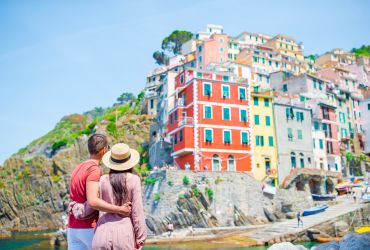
<point>327,239</point>
<point>362,230</point>
<point>323,197</point>
<point>343,187</point>
<point>314,210</point>
<point>365,198</point>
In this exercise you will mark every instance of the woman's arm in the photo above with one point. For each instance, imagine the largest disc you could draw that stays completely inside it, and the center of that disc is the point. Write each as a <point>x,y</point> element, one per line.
<point>137,214</point>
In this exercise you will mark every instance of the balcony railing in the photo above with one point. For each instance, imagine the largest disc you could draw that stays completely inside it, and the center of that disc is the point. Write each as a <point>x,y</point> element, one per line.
<point>150,94</point>
<point>186,121</point>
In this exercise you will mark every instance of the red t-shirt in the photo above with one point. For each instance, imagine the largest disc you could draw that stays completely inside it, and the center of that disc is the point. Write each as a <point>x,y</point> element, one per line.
<point>84,172</point>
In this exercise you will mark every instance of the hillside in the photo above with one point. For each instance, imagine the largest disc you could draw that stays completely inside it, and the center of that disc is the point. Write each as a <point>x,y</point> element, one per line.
<point>34,182</point>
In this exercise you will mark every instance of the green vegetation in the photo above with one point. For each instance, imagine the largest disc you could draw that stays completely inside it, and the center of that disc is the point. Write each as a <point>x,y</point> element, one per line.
<point>57,145</point>
<point>150,181</point>
<point>157,196</point>
<point>185,180</point>
<point>218,180</point>
<point>182,196</point>
<point>362,51</point>
<point>170,183</point>
<point>125,98</point>
<point>196,191</point>
<point>209,193</point>
<point>171,44</point>
<point>2,185</point>
<point>55,178</point>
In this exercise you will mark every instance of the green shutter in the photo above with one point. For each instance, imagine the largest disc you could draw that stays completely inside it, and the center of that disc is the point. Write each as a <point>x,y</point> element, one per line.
<point>257,140</point>
<point>244,137</point>
<point>243,115</point>
<point>262,141</point>
<point>271,141</point>
<point>299,134</point>
<point>227,136</point>
<point>207,90</point>
<point>226,113</point>
<point>255,101</point>
<point>256,119</point>
<point>321,143</point>
<point>242,94</point>
<point>266,102</point>
<point>208,135</point>
<point>268,123</point>
<point>208,112</point>
<point>225,92</point>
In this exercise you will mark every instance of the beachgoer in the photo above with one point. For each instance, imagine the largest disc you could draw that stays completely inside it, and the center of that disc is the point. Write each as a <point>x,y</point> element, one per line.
<point>299,219</point>
<point>191,230</point>
<point>354,197</point>
<point>187,166</point>
<point>120,186</point>
<point>84,187</point>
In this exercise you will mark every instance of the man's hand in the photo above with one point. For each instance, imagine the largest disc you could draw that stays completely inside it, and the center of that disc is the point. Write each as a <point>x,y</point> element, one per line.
<point>125,209</point>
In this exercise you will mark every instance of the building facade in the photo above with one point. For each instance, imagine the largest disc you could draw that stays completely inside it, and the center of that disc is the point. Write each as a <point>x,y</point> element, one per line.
<point>210,123</point>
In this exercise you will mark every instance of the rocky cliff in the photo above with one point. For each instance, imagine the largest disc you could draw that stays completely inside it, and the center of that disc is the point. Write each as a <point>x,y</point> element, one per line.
<point>213,199</point>
<point>34,183</point>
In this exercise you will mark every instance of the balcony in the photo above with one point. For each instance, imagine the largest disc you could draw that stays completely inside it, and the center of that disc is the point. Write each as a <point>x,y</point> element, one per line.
<point>186,121</point>
<point>150,94</point>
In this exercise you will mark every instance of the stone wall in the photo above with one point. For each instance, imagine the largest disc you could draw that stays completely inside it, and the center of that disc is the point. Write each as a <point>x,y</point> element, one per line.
<point>237,200</point>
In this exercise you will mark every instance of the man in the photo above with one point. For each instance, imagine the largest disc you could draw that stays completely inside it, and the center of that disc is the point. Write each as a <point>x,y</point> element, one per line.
<point>84,186</point>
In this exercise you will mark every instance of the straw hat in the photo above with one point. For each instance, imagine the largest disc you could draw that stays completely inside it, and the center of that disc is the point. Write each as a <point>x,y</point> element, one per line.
<point>121,157</point>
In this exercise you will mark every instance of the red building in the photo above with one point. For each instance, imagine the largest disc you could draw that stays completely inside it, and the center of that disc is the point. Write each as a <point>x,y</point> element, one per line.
<point>210,122</point>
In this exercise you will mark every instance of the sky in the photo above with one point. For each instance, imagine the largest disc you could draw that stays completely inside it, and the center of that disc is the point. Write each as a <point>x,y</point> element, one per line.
<point>64,57</point>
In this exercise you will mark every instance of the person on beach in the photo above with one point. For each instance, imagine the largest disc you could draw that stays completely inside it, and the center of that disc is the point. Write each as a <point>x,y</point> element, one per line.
<point>121,186</point>
<point>84,188</point>
<point>299,219</point>
<point>354,196</point>
<point>170,229</point>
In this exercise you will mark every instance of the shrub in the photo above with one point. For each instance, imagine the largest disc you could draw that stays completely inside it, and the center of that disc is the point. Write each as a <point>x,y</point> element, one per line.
<point>196,191</point>
<point>57,145</point>
<point>170,183</point>
<point>182,196</point>
<point>150,181</point>
<point>2,185</point>
<point>210,193</point>
<point>112,128</point>
<point>55,178</point>
<point>185,180</point>
<point>218,180</point>
<point>157,196</point>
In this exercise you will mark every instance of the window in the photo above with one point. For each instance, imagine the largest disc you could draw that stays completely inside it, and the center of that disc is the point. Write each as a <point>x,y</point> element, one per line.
<point>293,160</point>
<point>230,163</point>
<point>316,125</point>
<point>208,135</point>
<point>222,49</point>
<point>243,115</point>
<point>215,163</point>
<point>226,114</point>
<point>200,59</point>
<point>268,122</point>
<point>175,139</point>
<point>314,84</point>
<point>301,160</point>
<point>242,94</point>
<point>270,63</point>
<point>342,117</point>
<point>200,48</point>
<point>276,64</point>
<point>290,134</point>
<point>171,121</point>
<point>267,163</point>
<point>255,101</point>
<point>175,116</point>
<point>299,116</point>
<point>321,144</point>
<point>267,102</point>
<point>180,135</point>
<point>256,119</point>
<point>208,112</point>
<point>368,106</point>
<point>151,104</point>
<point>244,137</point>
<point>320,85</point>
<point>225,78</point>
<point>207,89</point>
<point>271,141</point>
<point>221,40</point>
<point>225,91</point>
<point>314,143</point>
<point>343,132</point>
<point>299,134</point>
<point>285,88</point>
<point>259,141</point>
<point>329,147</point>
<point>227,136</point>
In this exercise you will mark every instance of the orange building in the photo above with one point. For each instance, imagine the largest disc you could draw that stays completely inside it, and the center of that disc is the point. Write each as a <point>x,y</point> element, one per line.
<point>210,122</point>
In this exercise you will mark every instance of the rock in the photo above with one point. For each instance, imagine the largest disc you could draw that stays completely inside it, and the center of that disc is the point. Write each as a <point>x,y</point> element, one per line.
<point>286,246</point>
<point>261,220</point>
<point>355,241</point>
<point>290,215</point>
<point>269,215</point>
<point>341,228</point>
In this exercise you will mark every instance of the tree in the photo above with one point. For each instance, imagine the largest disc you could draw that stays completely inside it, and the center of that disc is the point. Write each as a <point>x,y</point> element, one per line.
<point>125,98</point>
<point>349,158</point>
<point>161,58</point>
<point>175,40</point>
<point>363,158</point>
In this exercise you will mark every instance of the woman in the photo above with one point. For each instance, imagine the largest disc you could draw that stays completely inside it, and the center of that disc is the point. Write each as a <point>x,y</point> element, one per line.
<point>120,186</point>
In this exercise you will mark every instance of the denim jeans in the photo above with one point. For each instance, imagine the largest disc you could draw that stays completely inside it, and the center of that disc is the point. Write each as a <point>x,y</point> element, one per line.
<point>80,238</point>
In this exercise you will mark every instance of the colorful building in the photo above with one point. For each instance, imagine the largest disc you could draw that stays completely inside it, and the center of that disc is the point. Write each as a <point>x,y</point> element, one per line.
<point>264,139</point>
<point>287,46</point>
<point>210,123</point>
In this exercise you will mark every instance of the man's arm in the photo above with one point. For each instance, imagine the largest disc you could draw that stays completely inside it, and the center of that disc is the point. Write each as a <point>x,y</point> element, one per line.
<point>92,193</point>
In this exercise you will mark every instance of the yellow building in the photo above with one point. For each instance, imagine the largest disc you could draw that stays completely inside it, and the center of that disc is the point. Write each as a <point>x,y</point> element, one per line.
<point>287,46</point>
<point>264,139</point>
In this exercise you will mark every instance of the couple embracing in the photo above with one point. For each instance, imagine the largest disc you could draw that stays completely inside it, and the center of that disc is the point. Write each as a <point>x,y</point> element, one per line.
<point>106,212</point>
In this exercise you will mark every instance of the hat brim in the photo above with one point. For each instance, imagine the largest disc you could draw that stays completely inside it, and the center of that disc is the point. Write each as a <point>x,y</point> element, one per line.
<point>132,162</point>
